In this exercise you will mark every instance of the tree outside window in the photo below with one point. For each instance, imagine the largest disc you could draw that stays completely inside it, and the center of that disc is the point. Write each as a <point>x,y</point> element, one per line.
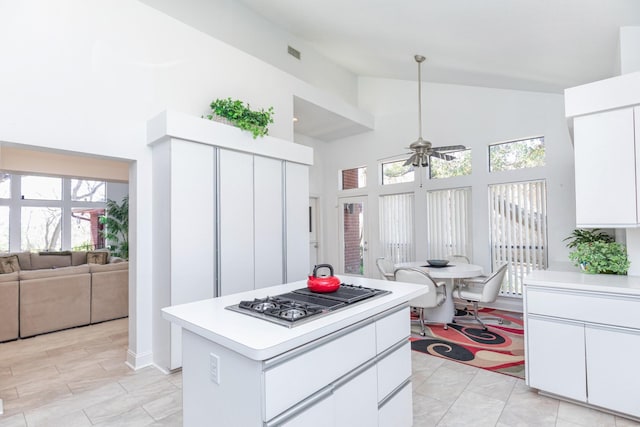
<point>525,153</point>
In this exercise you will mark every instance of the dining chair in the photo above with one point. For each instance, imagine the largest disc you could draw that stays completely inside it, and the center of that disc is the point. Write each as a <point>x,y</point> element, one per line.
<point>385,266</point>
<point>435,297</point>
<point>476,292</point>
<point>459,259</point>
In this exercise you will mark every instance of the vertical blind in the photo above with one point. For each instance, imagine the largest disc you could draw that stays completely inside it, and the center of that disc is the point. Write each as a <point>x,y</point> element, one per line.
<point>518,217</point>
<point>449,226</point>
<point>396,227</point>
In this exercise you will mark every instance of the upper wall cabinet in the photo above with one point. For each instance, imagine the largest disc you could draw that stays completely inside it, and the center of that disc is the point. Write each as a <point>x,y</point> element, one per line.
<point>606,130</point>
<point>606,165</point>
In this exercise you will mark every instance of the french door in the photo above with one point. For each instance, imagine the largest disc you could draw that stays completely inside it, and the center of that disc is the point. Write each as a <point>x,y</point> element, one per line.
<point>354,236</point>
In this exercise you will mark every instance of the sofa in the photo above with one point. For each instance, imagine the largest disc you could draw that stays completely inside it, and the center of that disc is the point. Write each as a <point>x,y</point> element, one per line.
<point>49,291</point>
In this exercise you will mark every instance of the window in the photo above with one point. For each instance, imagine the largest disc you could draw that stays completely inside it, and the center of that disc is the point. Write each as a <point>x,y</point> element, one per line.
<point>4,228</point>
<point>518,226</point>
<point>396,227</point>
<point>5,186</point>
<point>41,188</point>
<point>354,178</point>
<point>397,172</point>
<point>88,191</point>
<point>449,226</point>
<point>41,228</point>
<point>525,153</point>
<point>86,228</point>
<point>459,166</point>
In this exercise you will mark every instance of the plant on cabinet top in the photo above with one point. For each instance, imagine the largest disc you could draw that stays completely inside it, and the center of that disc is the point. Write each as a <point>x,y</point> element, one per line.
<point>241,115</point>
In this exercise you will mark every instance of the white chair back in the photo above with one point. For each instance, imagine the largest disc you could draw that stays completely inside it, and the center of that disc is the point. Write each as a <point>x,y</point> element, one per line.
<point>459,259</point>
<point>385,267</point>
<point>414,275</point>
<point>493,284</point>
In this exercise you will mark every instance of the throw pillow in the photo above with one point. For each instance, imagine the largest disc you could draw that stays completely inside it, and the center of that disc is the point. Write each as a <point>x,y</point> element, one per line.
<point>9,264</point>
<point>97,257</point>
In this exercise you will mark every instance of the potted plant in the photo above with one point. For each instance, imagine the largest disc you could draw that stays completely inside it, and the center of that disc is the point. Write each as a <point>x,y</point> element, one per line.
<point>241,115</point>
<point>596,252</point>
<point>116,227</point>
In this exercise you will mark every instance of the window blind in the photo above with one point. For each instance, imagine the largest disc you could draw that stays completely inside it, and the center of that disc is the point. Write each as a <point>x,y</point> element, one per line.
<point>449,226</point>
<point>518,224</point>
<point>396,227</point>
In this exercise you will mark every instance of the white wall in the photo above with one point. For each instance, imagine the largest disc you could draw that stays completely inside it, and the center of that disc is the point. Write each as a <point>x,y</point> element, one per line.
<point>232,22</point>
<point>85,76</point>
<point>453,114</point>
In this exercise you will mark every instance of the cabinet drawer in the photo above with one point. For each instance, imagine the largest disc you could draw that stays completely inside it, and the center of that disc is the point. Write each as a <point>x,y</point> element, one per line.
<point>393,370</point>
<point>391,329</point>
<point>398,410</point>
<point>302,375</point>
<point>601,308</point>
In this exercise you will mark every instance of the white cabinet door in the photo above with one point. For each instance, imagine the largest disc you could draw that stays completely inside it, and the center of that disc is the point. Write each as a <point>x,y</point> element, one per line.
<point>297,219</point>
<point>355,403</point>
<point>612,365</point>
<point>268,221</point>
<point>605,168</point>
<point>320,414</point>
<point>236,221</point>
<point>398,410</point>
<point>555,357</point>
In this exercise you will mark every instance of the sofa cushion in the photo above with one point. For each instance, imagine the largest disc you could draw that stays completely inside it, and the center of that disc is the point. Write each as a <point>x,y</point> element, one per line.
<point>9,312</point>
<point>9,277</point>
<point>97,257</point>
<point>24,259</point>
<point>53,272</point>
<point>99,268</point>
<point>78,257</point>
<point>54,253</point>
<point>9,264</point>
<point>39,261</point>
<point>50,304</point>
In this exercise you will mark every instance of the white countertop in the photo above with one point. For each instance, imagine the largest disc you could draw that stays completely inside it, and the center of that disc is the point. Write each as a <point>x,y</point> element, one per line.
<point>259,339</point>
<point>611,283</point>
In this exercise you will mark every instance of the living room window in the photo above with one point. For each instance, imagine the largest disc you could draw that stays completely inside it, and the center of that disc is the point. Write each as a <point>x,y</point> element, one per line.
<point>520,154</point>
<point>41,188</point>
<point>47,213</point>
<point>396,172</point>
<point>40,228</point>
<point>353,178</point>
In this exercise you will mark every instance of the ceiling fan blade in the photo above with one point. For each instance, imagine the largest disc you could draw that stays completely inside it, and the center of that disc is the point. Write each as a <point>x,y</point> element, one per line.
<point>450,148</point>
<point>411,160</point>
<point>442,156</point>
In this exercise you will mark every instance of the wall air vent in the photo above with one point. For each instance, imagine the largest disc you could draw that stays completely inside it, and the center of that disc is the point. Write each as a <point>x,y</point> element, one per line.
<point>293,52</point>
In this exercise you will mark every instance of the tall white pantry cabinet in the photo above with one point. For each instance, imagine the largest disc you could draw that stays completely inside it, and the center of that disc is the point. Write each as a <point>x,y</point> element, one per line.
<point>230,215</point>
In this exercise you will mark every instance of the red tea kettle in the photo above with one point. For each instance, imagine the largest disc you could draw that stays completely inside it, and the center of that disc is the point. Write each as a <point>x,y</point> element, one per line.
<point>323,284</point>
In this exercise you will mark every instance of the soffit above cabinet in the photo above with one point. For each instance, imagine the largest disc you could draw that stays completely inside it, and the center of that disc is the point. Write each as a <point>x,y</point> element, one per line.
<point>326,125</point>
<point>608,94</point>
<point>173,124</point>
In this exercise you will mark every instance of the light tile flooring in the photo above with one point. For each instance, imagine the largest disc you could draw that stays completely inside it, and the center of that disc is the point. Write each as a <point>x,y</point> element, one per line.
<point>78,378</point>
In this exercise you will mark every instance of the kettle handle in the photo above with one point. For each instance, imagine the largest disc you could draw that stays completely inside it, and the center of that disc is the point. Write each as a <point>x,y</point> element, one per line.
<point>315,269</point>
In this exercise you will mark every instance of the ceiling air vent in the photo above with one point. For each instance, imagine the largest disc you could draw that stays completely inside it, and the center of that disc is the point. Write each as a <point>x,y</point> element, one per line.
<point>293,52</point>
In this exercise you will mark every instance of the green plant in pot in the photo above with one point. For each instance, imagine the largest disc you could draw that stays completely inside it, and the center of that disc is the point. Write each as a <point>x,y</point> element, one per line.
<point>596,252</point>
<point>116,227</point>
<point>242,116</point>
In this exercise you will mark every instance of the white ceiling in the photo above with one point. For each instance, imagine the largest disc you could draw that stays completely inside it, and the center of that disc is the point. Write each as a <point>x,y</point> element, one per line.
<point>539,45</point>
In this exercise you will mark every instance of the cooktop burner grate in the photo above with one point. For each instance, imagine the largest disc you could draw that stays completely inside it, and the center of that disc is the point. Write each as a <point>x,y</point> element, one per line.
<point>298,306</point>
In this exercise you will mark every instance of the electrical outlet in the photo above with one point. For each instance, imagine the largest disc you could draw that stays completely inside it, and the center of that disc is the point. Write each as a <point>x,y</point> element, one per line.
<point>214,368</point>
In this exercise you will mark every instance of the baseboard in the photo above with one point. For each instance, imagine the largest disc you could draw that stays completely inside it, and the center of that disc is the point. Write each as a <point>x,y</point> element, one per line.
<point>139,361</point>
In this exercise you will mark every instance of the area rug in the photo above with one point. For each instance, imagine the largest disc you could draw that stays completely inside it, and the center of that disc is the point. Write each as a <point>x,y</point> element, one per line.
<point>499,349</point>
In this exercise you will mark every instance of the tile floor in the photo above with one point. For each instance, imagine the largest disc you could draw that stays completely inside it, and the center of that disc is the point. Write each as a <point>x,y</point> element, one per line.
<point>78,378</point>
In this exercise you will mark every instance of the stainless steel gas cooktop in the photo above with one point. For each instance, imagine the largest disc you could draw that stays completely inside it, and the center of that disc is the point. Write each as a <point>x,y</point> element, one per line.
<point>302,305</point>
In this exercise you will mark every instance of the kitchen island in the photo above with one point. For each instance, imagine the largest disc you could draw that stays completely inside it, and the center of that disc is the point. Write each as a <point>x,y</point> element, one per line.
<point>349,367</point>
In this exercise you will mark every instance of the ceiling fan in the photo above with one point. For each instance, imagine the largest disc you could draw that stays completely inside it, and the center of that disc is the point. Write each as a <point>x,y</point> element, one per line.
<point>422,149</point>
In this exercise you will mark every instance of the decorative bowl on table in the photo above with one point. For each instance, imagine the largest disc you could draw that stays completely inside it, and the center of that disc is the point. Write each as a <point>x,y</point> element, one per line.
<point>437,262</point>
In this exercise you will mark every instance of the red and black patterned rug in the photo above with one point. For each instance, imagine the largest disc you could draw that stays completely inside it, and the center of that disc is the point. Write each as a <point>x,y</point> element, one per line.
<point>499,349</point>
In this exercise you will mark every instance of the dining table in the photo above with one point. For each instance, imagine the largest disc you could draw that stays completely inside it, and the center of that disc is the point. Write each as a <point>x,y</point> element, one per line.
<point>449,274</point>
